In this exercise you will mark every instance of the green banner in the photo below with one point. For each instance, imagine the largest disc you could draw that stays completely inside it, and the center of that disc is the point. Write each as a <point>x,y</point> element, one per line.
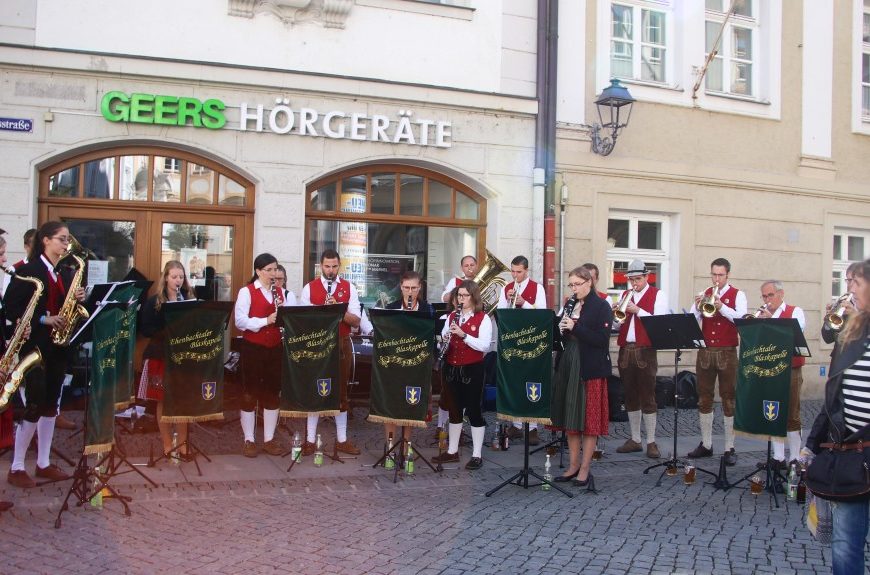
<point>124,390</point>
<point>404,343</point>
<point>310,381</point>
<point>524,365</point>
<point>194,376</point>
<point>763,378</point>
<point>105,365</point>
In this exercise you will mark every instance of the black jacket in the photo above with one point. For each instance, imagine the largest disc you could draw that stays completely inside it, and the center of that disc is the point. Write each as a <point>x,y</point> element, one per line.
<point>18,296</point>
<point>592,331</point>
<point>830,425</point>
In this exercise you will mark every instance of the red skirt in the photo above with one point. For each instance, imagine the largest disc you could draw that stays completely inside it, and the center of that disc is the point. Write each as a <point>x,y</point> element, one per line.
<point>151,382</point>
<point>597,407</point>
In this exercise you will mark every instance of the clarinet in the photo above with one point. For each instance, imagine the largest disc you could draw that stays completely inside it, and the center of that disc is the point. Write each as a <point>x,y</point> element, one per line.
<point>178,296</point>
<point>445,345</point>
<point>410,303</point>
<point>328,288</point>
<point>278,300</point>
<point>569,309</point>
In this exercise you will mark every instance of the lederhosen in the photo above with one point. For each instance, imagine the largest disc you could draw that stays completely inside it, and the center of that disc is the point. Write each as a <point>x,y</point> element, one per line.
<point>341,294</point>
<point>638,362</point>
<point>719,358</point>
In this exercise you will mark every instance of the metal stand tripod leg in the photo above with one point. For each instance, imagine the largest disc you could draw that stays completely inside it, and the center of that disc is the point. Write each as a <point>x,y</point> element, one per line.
<point>521,478</point>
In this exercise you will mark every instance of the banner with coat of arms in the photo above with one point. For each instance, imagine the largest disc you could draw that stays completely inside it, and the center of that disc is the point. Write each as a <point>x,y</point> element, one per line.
<point>524,365</point>
<point>763,379</point>
<point>107,341</point>
<point>310,373</point>
<point>124,393</point>
<point>194,376</point>
<point>404,345</point>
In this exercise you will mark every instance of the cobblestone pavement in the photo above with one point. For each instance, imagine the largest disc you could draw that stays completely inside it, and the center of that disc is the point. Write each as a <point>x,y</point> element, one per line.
<point>249,515</point>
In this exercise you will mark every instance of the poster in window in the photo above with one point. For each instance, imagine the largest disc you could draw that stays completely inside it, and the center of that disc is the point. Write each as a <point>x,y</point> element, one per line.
<point>383,274</point>
<point>194,261</point>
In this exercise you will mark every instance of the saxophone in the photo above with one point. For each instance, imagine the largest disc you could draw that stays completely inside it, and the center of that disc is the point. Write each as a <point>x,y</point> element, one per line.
<point>16,370</point>
<point>71,310</point>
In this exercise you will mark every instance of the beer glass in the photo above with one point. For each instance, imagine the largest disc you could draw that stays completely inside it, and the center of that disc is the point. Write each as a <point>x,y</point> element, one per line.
<point>689,475</point>
<point>756,484</point>
<point>599,449</point>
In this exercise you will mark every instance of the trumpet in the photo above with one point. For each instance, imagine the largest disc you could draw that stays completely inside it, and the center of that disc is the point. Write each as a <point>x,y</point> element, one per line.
<point>708,304</point>
<point>619,312</point>
<point>516,293</point>
<point>836,318</point>
<point>757,313</point>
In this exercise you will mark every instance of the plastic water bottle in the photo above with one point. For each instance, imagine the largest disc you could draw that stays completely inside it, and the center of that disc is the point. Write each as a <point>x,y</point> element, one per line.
<point>409,461</point>
<point>318,452</point>
<point>495,442</point>
<point>389,462</point>
<point>296,452</point>
<point>174,452</point>
<point>97,497</point>
<point>548,476</point>
<point>793,480</point>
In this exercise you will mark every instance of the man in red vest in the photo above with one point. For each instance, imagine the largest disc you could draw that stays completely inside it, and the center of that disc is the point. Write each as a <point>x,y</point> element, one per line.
<point>719,358</point>
<point>773,295</point>
<point>329,288</point>
<point>522,293</point>
<point>638,362</point>
<point>469,270</point>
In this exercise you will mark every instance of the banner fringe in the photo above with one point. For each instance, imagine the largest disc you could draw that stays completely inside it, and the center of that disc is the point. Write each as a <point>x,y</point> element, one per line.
<point>758,436</point>
<point>98,448</point>
<point>192,418</point>
<point>512,418</point>
<point>402,422</point>
<point>293,413</point>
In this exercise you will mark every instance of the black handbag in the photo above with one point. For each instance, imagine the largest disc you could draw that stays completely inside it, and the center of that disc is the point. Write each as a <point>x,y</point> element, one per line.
<point>841,471</point>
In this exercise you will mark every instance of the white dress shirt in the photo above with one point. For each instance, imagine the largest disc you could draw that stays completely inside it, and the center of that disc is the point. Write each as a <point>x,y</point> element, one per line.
<point>353,306</point>
<point>660,307</point>
<point>482,341</point>
<point>243,307</point>
<point>540,297</point>
<point>737,312</point>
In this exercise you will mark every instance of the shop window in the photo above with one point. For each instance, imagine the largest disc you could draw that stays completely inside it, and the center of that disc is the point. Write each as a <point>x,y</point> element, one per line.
<point>385,220</point>
<point>865,62</point>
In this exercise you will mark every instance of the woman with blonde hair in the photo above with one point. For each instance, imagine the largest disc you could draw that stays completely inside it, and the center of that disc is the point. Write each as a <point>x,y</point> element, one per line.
<point>173,286</point>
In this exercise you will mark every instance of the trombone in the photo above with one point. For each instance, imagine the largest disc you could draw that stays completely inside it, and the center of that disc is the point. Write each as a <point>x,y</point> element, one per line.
<point>837,316</point>
<point>708,304</point>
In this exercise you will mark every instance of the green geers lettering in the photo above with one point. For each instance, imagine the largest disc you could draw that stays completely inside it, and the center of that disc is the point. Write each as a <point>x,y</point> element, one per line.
<point>163,110</point>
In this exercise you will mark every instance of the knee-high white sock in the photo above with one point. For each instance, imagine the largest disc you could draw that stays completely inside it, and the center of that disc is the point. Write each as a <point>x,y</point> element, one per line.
<point>270,422</point>
<point>533,426</point>
<point>454,431</point>
<point>706,420</point>
<point>477,434</point>
<point>443,417</point>
<point>778,448</point>
<point>634,423</point>
<point>23,436</point>
<point>728,423</point>
<point>794,445</point>
<point>649,422</point>
<point>311,427</point>
<point>44,436</point>
<point>341,427</point>
<point>248,419</point>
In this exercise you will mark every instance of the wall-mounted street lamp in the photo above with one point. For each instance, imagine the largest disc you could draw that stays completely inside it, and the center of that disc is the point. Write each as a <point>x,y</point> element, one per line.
<point>610,103</point>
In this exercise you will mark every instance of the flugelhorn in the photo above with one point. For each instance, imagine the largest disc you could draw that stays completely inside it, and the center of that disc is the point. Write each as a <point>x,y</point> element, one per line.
<point>757,313</point>
<point>708,304</point>
<point>619,312</point>
<point>837,316</point>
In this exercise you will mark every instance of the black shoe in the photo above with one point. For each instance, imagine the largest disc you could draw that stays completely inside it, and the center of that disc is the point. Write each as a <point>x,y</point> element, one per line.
<point>584,482</point>
<point>474,463</point>
<point>700,451</point>
<point>566,478</point>
<point>446,458</point>
<point>730,457</point>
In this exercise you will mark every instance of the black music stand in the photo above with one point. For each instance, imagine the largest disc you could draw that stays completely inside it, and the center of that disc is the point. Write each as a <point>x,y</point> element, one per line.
<point>774,479</point>
<point>678,332</point>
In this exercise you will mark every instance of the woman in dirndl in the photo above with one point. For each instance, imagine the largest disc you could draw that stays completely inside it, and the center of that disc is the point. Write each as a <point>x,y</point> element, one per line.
<point>579,404</point>
<point>173,286</point>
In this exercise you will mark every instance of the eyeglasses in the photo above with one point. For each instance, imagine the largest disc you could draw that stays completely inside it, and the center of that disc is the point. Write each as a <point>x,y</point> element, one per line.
<point>463,295</point>
<point>62,239</point>
<point>577,284</point>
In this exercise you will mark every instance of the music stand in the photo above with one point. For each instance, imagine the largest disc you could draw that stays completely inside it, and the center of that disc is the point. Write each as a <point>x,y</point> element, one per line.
<point>678,332</point>
<point>774,477</point>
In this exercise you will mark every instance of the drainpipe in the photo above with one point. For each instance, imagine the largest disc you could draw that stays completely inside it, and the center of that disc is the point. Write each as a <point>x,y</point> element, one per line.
<point>545,143</point>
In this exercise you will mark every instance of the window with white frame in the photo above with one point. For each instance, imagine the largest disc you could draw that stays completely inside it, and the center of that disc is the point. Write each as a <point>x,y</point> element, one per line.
<point>636,235</point>
<point>735,67</point>
<point>850,245</point>
<point>639,42</point>
<point>865,62</point>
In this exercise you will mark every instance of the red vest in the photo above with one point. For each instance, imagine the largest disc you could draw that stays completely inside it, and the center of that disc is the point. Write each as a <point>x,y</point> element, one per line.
<point>646,303</point>
<point>529,294</point>
<point>270,335</point>
<point>799,360</point>
<point>718,330</point>
<point>340,293</point>
<point>459,352</point>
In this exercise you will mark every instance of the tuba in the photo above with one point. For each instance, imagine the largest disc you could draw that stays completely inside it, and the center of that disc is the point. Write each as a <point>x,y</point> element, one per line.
<point>9,363</point>
<point>72,310</point>
<point>836,318</point>
<point>619,310</point>
<point>708,304</point>
<point>488,281</point>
